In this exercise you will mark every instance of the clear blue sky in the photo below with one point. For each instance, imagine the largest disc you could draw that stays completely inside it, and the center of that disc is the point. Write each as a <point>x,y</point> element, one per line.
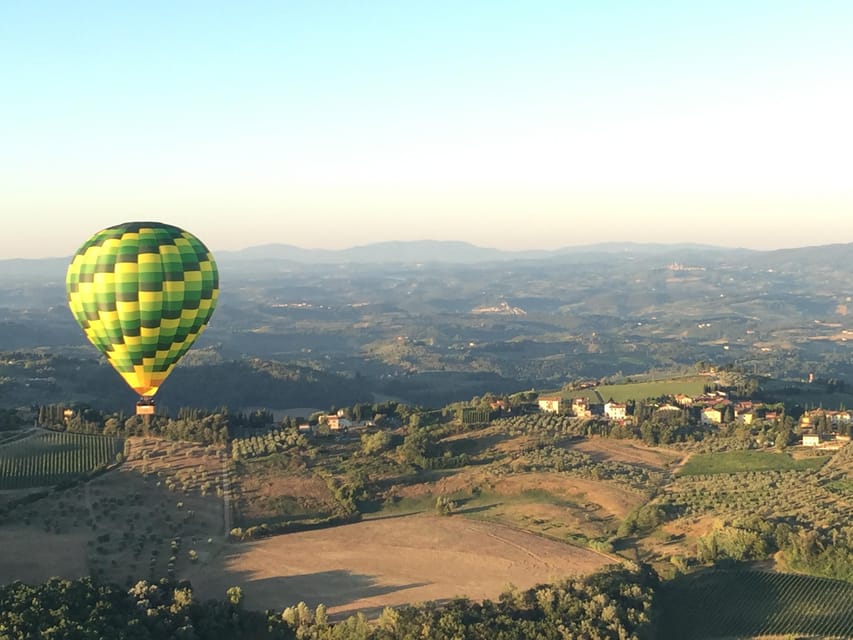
<point>508,124</point>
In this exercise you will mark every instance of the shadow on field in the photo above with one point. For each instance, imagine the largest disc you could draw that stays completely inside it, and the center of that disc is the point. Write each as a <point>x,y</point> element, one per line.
<point>480,509</point>
<point>391,516</point>
<point>335,589</point>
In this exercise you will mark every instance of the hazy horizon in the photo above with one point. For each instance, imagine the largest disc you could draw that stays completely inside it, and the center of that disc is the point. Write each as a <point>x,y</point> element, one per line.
<point>473,246</point>
<point>515,126</point>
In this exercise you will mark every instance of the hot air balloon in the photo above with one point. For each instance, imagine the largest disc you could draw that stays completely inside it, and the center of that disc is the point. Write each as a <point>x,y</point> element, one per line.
<point>142,292</point>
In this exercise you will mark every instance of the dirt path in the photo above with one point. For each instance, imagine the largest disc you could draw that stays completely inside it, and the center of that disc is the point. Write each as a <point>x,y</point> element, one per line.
<point>226,493</point>
<point>681,463</point>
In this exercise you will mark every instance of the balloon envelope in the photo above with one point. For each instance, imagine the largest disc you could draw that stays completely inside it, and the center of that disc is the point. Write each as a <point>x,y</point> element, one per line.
<point>142,292</point>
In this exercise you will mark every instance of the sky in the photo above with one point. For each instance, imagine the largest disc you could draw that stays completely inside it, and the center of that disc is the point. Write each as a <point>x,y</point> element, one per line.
<point>517,125</point>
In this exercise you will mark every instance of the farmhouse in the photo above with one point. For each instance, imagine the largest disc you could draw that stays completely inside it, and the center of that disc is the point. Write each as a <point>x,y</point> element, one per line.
<point>550,404</point>
<point>710,415</point>
<point>825,416</point>
<point>668,408</point>
<point>746,412</point>
<point>581,408</point>
<point>616,410</point>
<point>337,422</point>
<point>811,440</point>
<point>684,400</point>
<point>500,407</point>
<point>746,418</point>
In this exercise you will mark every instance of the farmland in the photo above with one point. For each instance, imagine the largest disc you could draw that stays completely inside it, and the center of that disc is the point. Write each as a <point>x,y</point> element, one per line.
<point>390,561</point>
<point>45,458</point>
<point>155,515</point>
<point>745,461</point>
<point>799,517</point>
<point>436,510</point>
<point>160,514</point>
<point>691,385</point>
<point>710,604</point>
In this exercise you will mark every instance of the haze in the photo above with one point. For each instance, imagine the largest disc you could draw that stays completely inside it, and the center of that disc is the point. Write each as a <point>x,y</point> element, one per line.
<point>512,125</point>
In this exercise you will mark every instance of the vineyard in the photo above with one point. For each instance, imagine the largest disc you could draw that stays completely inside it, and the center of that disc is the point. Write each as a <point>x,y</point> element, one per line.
<point>743,604</point>
<point>47,458</point>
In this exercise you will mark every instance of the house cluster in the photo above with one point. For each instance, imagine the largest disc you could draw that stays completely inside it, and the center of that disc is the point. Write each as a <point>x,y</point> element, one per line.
<point>713,408</point>
<point>583,408</point>
<point>825,428</point>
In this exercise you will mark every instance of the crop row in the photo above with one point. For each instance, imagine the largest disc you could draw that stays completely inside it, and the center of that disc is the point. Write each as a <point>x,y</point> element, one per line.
<point>47,458</point>
<point>711,605</point>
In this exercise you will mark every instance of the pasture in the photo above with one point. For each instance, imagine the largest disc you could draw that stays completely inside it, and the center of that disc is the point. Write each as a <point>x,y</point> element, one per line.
<point>641,390</point>
<point>691,386</point>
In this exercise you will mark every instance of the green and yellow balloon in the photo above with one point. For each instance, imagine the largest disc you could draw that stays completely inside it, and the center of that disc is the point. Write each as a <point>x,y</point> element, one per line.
<point>142,292</point>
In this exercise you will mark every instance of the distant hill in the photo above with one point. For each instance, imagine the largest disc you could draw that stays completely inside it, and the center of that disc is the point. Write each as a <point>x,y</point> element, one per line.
<point>421,251</point>
<point>38,270</point>
<point>455,252</point>
<point>830,255</point>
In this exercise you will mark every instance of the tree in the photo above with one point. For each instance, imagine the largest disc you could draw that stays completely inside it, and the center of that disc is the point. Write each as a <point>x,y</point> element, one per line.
<point>375,442</point>
<point>234,596</point>
<point>444,506</point>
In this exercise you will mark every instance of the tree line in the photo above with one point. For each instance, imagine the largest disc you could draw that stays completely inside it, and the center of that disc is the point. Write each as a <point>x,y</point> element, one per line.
<point>617,602</point>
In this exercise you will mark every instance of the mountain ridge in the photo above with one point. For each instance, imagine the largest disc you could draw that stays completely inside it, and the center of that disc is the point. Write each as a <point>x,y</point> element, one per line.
<point>463,252</point>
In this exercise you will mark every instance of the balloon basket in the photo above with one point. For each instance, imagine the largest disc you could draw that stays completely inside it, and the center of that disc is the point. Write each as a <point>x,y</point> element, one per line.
<point>145,408</point>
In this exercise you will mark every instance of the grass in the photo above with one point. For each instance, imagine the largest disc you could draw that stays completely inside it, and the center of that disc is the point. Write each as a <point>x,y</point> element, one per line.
<point>740,461</point>
<point>843,486</point>
<point>534,510</point>
<point>742,603</point>
<point>540,512</point>
<point>691,386</point>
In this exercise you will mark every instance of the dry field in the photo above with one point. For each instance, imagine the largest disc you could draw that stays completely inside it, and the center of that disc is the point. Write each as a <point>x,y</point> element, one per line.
<point>142,520</point>
<point>32,555</point>
<point>558,505</point>
<point>390,561</point>
<point>264,494</point>
<point>133,522</point>
<point>630,451</point>
<point>613,499</point>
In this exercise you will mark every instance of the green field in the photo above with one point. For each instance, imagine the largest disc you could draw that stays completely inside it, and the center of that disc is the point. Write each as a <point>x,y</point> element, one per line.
<point>843,486</point>
<point>739,461</point>
<point>744,604</point>
<point>47,458</point>
<point>691,386</point>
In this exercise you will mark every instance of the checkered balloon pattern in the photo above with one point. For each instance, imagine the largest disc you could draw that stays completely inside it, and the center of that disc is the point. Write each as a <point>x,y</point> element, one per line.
<point>142,292</point>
